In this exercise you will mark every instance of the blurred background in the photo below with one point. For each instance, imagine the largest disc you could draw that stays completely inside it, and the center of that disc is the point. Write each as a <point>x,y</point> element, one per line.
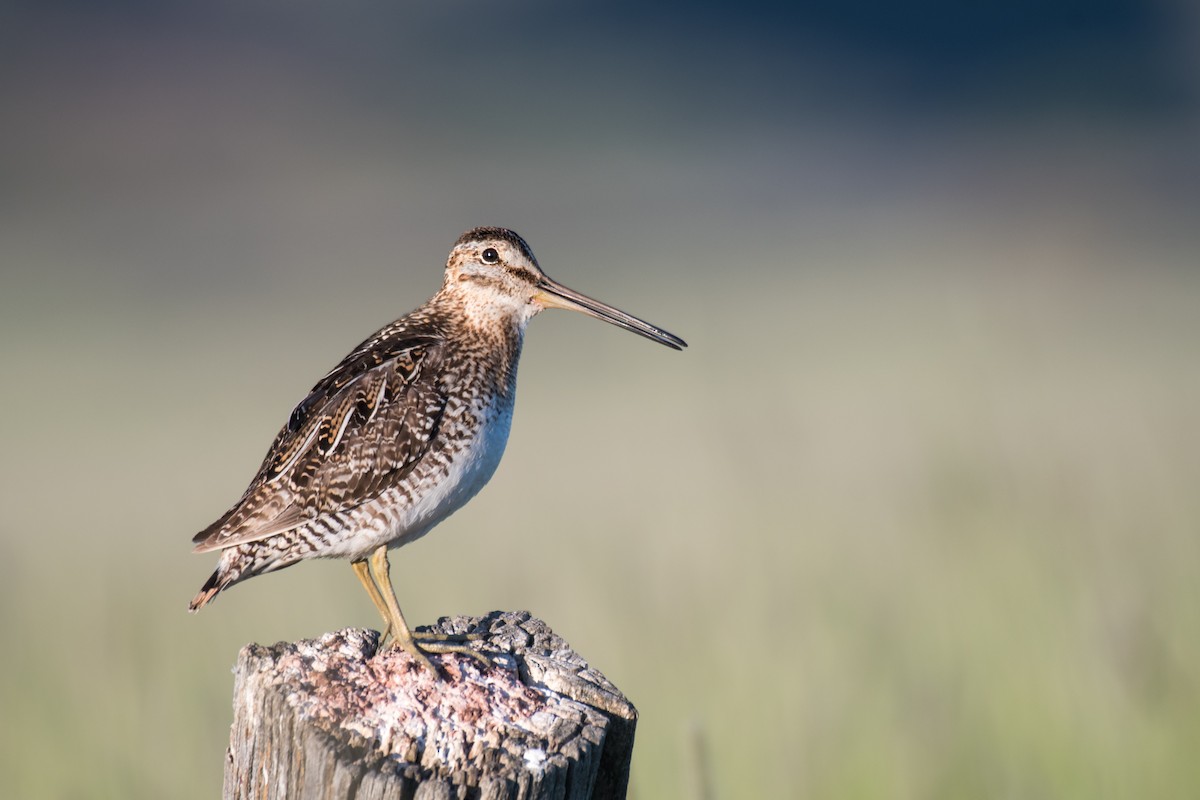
<point>916,515</point>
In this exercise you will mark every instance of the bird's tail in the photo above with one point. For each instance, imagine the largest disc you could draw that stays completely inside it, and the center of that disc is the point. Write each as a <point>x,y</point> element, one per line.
<point>208,591</point>
<point>234,565</point>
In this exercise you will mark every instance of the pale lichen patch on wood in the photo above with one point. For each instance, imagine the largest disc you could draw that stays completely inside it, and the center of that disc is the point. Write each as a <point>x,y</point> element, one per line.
<point>332,713</point>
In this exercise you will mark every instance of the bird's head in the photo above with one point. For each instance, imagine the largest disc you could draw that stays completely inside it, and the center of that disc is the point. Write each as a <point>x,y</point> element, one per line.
<point>495,273</point>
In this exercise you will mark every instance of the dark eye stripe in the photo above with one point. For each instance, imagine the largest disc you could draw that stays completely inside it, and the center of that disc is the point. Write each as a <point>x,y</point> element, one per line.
<point>523,274</point>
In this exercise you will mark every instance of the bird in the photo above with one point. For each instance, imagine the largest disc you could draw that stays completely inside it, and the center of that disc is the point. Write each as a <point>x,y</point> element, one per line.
<point>401,433</point>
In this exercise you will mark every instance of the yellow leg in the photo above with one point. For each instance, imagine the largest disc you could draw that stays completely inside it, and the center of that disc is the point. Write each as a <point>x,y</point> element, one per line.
<point>364,576</point>
<point>404,638</point>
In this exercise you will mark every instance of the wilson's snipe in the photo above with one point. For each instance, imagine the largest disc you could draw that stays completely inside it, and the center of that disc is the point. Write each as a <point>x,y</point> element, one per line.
<point>403,432</point>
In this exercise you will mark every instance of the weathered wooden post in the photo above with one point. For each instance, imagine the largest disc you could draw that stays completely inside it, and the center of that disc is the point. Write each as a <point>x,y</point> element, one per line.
<point>329,718</point>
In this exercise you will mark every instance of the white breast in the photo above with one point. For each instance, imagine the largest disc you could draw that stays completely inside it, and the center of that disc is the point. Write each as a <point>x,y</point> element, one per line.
<point>470,469</point>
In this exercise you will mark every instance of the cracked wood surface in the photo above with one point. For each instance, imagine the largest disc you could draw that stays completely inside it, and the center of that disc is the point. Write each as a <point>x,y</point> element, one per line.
<point>331,718</point>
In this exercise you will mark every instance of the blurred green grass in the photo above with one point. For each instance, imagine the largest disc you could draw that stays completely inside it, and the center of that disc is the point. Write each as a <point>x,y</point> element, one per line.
<point>922,531</point>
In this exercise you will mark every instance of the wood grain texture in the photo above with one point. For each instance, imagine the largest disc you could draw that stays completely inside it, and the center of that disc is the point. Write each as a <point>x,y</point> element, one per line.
<point>331,719</point>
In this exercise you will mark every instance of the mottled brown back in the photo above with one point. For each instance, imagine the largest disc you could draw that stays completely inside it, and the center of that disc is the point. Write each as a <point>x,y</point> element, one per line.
<point>359,431</point>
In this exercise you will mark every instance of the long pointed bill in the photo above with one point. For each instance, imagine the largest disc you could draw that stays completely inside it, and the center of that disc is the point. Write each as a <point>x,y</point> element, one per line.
<point>552,294</point>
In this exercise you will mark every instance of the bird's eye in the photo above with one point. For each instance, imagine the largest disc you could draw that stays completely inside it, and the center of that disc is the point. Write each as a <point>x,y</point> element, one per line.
<point>490,256</point>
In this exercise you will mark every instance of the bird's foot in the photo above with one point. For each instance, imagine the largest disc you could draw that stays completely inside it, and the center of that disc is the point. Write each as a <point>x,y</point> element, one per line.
<point>430,636</point>
<point>449,646</point>
<point>423,649</point>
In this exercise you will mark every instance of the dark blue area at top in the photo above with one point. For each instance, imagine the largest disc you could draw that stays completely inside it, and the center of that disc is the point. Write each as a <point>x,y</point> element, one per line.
<point>931,27</point>
<point>1100,54</point>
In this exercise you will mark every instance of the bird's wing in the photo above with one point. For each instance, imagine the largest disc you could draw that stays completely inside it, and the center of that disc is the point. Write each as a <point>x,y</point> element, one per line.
<point>359,430</point>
